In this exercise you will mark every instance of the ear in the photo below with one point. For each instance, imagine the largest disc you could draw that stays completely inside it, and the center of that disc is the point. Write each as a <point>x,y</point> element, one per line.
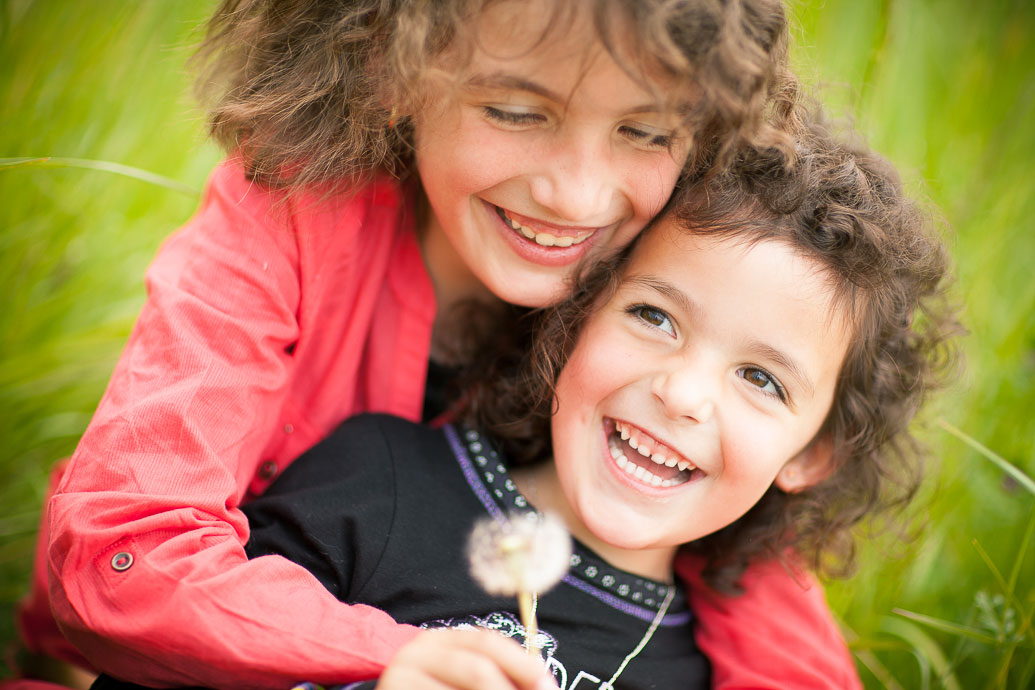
<point>809,467</point>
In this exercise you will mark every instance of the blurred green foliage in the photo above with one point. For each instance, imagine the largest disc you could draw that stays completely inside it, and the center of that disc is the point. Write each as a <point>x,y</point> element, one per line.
<point>946,89</point>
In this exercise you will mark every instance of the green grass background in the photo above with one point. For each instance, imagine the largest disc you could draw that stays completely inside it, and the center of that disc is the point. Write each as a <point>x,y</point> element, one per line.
<point>946,89</point>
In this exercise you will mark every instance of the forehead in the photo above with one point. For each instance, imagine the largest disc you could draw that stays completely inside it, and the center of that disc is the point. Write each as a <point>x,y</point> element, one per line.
<point>560,41</point>
<point>744,284</point>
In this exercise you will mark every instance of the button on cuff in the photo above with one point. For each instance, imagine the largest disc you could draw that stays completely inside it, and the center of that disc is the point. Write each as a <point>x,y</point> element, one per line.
<point>121,561</point>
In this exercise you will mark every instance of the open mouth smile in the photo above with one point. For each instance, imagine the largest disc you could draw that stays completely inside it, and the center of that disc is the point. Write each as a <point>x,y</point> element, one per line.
<point>557,237</point>
<point>645,458</point>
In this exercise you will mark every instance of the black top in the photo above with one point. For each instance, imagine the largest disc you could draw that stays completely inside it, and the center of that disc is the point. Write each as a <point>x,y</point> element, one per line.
<point>380,512</point>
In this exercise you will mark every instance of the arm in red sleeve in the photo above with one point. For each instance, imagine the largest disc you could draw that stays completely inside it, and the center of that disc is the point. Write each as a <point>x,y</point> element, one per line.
<point>148,574</point>
<point>779,634</point>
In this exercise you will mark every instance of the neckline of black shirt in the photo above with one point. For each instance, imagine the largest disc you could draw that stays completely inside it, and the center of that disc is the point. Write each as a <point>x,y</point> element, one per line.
<point>487,473</point>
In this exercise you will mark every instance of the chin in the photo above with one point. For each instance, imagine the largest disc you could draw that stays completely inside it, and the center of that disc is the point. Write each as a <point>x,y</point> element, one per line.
<point>614,531</point>
<point>548,291</point>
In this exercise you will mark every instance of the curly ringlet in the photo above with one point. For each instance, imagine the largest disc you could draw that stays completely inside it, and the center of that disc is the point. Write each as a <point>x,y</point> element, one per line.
<point>843,207</point>
<point>311,91</point>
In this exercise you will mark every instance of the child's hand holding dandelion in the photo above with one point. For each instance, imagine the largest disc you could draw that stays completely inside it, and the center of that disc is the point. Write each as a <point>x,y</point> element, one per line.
<point>464,659</point>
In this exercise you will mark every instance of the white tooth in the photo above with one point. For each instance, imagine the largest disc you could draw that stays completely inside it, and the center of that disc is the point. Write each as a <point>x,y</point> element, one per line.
<point>656,480</point>
<point>671,462</point>
<point>667,483</point>
<point>630,468</point>
<point>634,442</point>
<point>526,232</point>
<point>641,473</point>
<point>545,239</point>
<point>616,452</point>
<point>621,461</point>
<point>625,433</point>
<point>644,450</point>
<point>658,458</point>
<point>582,238</point>
<point>563,241</point>
<point>683,464</point>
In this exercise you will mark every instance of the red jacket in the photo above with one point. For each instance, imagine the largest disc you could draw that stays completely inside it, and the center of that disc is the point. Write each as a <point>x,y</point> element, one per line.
<point>269,320</point>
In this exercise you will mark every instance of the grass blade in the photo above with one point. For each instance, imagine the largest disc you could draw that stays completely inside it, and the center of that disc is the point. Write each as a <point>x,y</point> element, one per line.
<point>925,648</point>
<point>1007,467</point>
<point>1016,571</point>
<point>948,626</point>
<point>103,166</point>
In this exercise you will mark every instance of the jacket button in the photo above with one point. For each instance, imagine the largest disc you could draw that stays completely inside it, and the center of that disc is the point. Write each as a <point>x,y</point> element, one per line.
<point>267,470</point>
<point>289,428</point>
<point>123,560</point>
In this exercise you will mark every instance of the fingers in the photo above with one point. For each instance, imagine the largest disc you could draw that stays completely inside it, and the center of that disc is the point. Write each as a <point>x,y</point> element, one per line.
<point>464,660</point>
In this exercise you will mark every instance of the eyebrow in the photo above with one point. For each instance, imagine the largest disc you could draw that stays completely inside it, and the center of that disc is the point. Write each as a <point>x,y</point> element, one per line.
<point>763,350</point>
<point>666,289</point>
<point>513,82</point>
<point>796,371</point>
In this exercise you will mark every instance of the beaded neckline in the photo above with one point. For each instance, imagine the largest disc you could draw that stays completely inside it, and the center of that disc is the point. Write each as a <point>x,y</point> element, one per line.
<point>639,596</point>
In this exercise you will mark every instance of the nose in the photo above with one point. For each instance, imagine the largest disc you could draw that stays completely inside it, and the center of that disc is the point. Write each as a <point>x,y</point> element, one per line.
<point>686,393</point>
<point>577,184</point>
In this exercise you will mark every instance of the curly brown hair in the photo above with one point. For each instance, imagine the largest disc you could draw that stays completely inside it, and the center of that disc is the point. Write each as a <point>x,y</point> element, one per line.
<point>842,207</point>
<point>306,89</point>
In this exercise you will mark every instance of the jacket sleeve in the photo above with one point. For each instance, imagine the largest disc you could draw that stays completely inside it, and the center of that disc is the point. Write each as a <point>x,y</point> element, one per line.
<point>778,635</point>
<point>148,574</point>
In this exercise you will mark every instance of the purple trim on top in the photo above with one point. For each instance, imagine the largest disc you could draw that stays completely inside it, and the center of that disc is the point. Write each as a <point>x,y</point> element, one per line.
<point>471,473</point>
<point>671,620</point>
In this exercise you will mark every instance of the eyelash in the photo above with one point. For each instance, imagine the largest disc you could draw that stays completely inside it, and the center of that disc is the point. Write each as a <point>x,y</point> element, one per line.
<point>512,118</point>
<point>654,141</point>
<point>658,141</point>
<point>638,312</point>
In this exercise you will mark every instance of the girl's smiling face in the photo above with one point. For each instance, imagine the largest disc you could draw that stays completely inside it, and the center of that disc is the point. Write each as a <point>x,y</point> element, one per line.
<point>547,153</point>
<point>718,359</point>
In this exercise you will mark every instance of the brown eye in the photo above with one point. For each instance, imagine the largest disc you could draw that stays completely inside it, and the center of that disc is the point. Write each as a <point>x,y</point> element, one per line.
<point>654,317</point>
<point>757,377</point>
<point>764,381</point>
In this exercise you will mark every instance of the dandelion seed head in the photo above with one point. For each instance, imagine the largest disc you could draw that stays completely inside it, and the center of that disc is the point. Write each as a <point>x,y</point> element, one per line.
<point>519,554</point>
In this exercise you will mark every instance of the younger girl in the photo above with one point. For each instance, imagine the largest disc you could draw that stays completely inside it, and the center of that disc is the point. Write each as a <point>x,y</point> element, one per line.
<point>741,385</point>
<point>311,285</point>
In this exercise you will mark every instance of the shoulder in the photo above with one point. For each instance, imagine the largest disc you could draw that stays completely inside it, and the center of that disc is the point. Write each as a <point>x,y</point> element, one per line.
<point>390,429</point>
<point>363,444</point>
<point>347,204</point>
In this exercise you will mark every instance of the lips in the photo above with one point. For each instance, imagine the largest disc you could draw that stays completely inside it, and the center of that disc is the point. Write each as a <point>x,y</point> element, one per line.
<point>646,459</point>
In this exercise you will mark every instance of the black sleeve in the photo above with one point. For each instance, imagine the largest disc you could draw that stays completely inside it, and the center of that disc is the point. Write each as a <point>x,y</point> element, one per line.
<point>331,510</point>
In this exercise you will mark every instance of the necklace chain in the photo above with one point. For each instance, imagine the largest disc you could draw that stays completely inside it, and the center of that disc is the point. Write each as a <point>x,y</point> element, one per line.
<point>610,685</point>
<point>646,637</point>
